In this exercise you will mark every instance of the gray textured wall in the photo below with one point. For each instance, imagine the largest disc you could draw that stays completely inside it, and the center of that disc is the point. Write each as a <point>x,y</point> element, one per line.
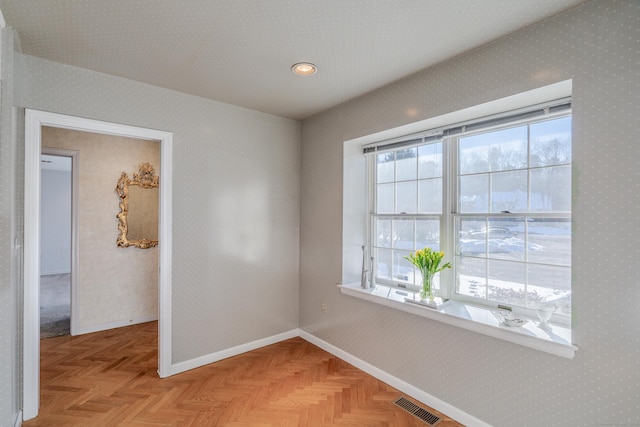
<point>598,46</point>
<point>223,153</point>
<point>11,223</point>
<point>236,192</point>
<point>236,178</point>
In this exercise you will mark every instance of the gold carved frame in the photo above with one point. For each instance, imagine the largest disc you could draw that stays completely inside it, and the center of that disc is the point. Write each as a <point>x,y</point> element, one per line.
<point>145,179</point>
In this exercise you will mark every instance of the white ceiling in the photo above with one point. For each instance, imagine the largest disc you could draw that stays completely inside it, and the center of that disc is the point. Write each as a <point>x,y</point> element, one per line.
<point>241,51</point>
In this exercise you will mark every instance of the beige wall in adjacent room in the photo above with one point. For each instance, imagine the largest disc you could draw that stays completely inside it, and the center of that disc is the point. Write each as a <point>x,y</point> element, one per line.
<point>114,284</point>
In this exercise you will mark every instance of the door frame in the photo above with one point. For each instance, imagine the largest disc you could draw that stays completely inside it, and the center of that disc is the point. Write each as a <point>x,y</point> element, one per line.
<point>75,167</point>
<point>34,120</point>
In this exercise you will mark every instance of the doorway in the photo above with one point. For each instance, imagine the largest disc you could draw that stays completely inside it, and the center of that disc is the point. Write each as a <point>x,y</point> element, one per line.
<point>58,221</point>
<point>34,121</point>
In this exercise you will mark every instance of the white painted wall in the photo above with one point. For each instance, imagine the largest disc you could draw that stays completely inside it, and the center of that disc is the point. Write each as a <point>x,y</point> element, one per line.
<point>597,46</point>
<point>55,220</point>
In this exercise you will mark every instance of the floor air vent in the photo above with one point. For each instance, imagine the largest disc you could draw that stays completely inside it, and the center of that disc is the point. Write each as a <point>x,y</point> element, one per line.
<point>417,411</point>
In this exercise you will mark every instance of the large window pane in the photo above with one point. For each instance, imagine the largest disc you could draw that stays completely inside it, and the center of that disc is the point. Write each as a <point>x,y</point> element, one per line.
<point>550,284</point>
<point>506,238</point>
<point>509,191</point>
<point>385,163</point>
<point>403,244</point>
<point>406,197</point>
<point>551,142</point>
<point>403,270</point>
<point>471,277</point>
<point>385,199</point>
<point>549,241</point>
<point>471,237</point>
<point>430,196</point>
<point>473,156</point>
<point>506,282</point>
<point>474,193</point>
<point>505,149</point>
<point>430,161</point>
<point>383,233</point>
<point>403,234</point>
<point>508,150</point>
<point>551,189</point>
<point>383,263</point>
<point>428,234</point>
<point>406,164</point>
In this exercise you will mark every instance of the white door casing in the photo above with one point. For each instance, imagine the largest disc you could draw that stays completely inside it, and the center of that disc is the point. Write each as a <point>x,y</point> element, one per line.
<point>34,120</point>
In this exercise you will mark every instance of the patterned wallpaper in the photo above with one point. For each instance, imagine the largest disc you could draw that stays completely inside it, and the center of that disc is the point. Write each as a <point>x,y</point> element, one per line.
<point>7,288</point>
<point>237,200</point>
<point>598,46</point>
<point>11,224</point>
<point>236,179</point>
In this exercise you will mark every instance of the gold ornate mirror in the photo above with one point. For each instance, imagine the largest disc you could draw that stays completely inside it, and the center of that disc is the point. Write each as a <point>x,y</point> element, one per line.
<point>138,217</point>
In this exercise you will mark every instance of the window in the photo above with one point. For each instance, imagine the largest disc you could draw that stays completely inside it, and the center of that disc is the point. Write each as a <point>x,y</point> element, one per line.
<point>494,195</point>
<point>407,209</point>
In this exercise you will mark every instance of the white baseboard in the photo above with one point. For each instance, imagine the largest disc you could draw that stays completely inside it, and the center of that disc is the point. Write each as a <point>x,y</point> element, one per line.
<point>406,388</point>
<point>229,352</point>
<point>424,397</point>
<point>112,325</point>
<point>18,422</point>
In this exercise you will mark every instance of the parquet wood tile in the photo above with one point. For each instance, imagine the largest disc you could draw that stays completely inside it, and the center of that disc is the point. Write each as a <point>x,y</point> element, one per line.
<point>109,379</point>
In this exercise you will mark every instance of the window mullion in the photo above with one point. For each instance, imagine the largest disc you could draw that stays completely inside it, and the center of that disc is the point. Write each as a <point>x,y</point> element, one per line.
<point>528,168</point>
<point>372,200</point>
<point>417,198</point>
<point>395,183</point>
<point>372,185</point>
<point>449,207</point>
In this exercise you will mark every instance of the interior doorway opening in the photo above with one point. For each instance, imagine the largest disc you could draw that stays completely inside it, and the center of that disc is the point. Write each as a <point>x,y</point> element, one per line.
<point>57,247</point>
<point>34,123</point>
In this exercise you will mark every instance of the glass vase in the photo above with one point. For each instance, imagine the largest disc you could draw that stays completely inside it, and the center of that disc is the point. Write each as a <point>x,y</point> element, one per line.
<point>426,293</point>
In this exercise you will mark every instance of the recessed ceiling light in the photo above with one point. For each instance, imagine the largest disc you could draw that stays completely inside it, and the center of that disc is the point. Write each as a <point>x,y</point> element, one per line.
<point>304,69</point>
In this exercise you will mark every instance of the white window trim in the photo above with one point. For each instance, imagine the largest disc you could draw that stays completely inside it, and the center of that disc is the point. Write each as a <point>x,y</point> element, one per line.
<point>355,217</point>
<point>555,340</point>
<point>454,212</point>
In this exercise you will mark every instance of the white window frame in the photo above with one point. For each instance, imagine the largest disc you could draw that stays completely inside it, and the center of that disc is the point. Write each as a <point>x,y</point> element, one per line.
<point>355,217</point>
<point>454,213</point>
<point>373,215</point>
<point>450,211</point>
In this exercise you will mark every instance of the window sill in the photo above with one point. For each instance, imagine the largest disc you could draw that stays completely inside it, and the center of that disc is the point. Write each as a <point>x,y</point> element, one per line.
<point>555,340</point>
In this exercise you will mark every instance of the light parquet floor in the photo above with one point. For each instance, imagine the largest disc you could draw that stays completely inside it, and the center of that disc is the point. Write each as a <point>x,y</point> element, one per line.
<point>109,379</point>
